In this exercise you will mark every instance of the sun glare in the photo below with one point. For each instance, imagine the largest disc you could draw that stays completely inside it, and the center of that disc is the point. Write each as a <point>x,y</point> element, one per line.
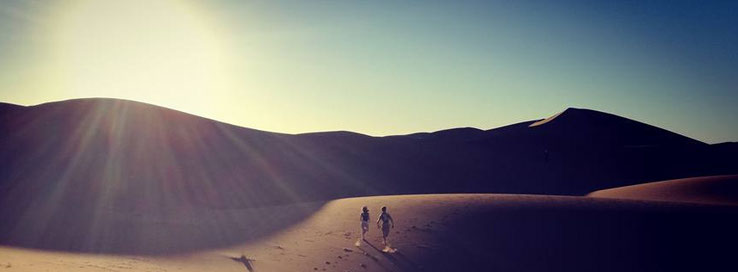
<point>165,52</point>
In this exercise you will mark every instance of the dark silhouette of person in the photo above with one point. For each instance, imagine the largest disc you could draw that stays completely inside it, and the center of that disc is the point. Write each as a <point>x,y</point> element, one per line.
<point>364,222</point>
<point>386,223</point>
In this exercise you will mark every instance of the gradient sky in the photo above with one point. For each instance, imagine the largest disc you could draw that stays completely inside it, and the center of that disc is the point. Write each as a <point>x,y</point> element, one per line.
<point>383,67</point>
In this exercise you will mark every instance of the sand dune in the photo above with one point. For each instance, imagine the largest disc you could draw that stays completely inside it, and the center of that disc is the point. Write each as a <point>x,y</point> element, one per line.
<point>113,185</point>
<point>474,232</point>
<point>544,121</point>
<point>712,190</point>
<point>163,231</point>
<point>136,156</point>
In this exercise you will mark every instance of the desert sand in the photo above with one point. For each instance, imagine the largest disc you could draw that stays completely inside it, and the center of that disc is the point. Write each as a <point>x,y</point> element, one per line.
<point>710,190</point>
<point>458,232</point>
<point>133,155</point>
<point>115,185</point>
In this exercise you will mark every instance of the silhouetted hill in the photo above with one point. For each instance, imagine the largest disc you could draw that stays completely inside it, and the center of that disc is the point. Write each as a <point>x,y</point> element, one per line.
<point>581,148</point>
<point>7,108</point>
<point>130,155</point>
<point>605,128</point>
<point>454,134</point>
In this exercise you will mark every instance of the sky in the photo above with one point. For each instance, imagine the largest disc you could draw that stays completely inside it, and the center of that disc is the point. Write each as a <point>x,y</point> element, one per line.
<point>383,67</point>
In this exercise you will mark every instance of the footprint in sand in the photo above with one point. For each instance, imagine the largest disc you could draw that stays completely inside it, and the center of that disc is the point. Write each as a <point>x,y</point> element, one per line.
<point>278,247</point>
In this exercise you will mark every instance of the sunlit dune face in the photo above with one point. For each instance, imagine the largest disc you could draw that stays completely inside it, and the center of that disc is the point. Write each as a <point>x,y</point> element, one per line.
<point>161,51</point>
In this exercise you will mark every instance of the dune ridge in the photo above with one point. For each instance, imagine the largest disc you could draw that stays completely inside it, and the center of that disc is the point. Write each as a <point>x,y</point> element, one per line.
<point>122,146</point>
<point>719,190</point>
<point>98,177</point>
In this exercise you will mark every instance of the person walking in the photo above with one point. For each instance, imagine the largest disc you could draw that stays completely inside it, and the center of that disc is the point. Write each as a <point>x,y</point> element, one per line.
<point>364,222</point>
<point>386,223</point>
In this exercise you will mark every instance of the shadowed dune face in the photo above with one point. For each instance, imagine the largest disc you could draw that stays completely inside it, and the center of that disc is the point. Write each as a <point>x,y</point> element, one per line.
<point>135,156</point>
<point>121,177</point>
<point>159,231</point>
<point>711,190</point>
<point>84,159</point>
<point>585,236</point>
<point>511,233</point>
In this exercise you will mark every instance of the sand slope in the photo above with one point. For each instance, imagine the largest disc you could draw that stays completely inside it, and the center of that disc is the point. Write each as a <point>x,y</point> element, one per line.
<point>454,233</point>
<point>713,190</point>
<point>136,156</point>
<point>112,185</point>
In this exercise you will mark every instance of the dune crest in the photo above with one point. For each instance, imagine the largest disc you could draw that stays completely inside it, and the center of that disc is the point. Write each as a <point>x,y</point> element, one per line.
<point>544,121</point>
<point>720,190</point>
<point>120,146</point>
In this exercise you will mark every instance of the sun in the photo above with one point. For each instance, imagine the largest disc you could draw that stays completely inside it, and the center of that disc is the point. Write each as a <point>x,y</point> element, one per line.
<point>165,52</point>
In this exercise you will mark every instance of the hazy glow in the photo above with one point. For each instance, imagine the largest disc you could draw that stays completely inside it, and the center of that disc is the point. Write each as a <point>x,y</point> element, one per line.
<point>382,67</point>
<point>159,51</point>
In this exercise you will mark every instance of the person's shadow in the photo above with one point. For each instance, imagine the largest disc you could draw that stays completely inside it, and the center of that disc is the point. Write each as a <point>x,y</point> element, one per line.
<point>403,263</point>
<point>245,261</point>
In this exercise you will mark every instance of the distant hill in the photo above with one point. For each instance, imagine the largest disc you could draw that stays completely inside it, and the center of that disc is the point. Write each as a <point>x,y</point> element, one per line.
<point>133,156</point>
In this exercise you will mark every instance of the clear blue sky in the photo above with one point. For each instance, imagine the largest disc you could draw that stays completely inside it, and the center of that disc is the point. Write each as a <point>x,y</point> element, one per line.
<point>383,67</point>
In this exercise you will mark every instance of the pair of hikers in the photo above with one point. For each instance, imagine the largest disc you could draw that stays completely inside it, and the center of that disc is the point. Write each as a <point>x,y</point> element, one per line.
<point>385,219</point>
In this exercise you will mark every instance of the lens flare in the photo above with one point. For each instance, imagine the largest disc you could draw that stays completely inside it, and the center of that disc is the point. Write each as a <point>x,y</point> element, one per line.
<point>166,52</point>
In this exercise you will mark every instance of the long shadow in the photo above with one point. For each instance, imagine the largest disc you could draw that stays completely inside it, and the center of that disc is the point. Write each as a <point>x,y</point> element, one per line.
<point>403,265</point>
<point>407,260</point>
<point>372,257</point>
